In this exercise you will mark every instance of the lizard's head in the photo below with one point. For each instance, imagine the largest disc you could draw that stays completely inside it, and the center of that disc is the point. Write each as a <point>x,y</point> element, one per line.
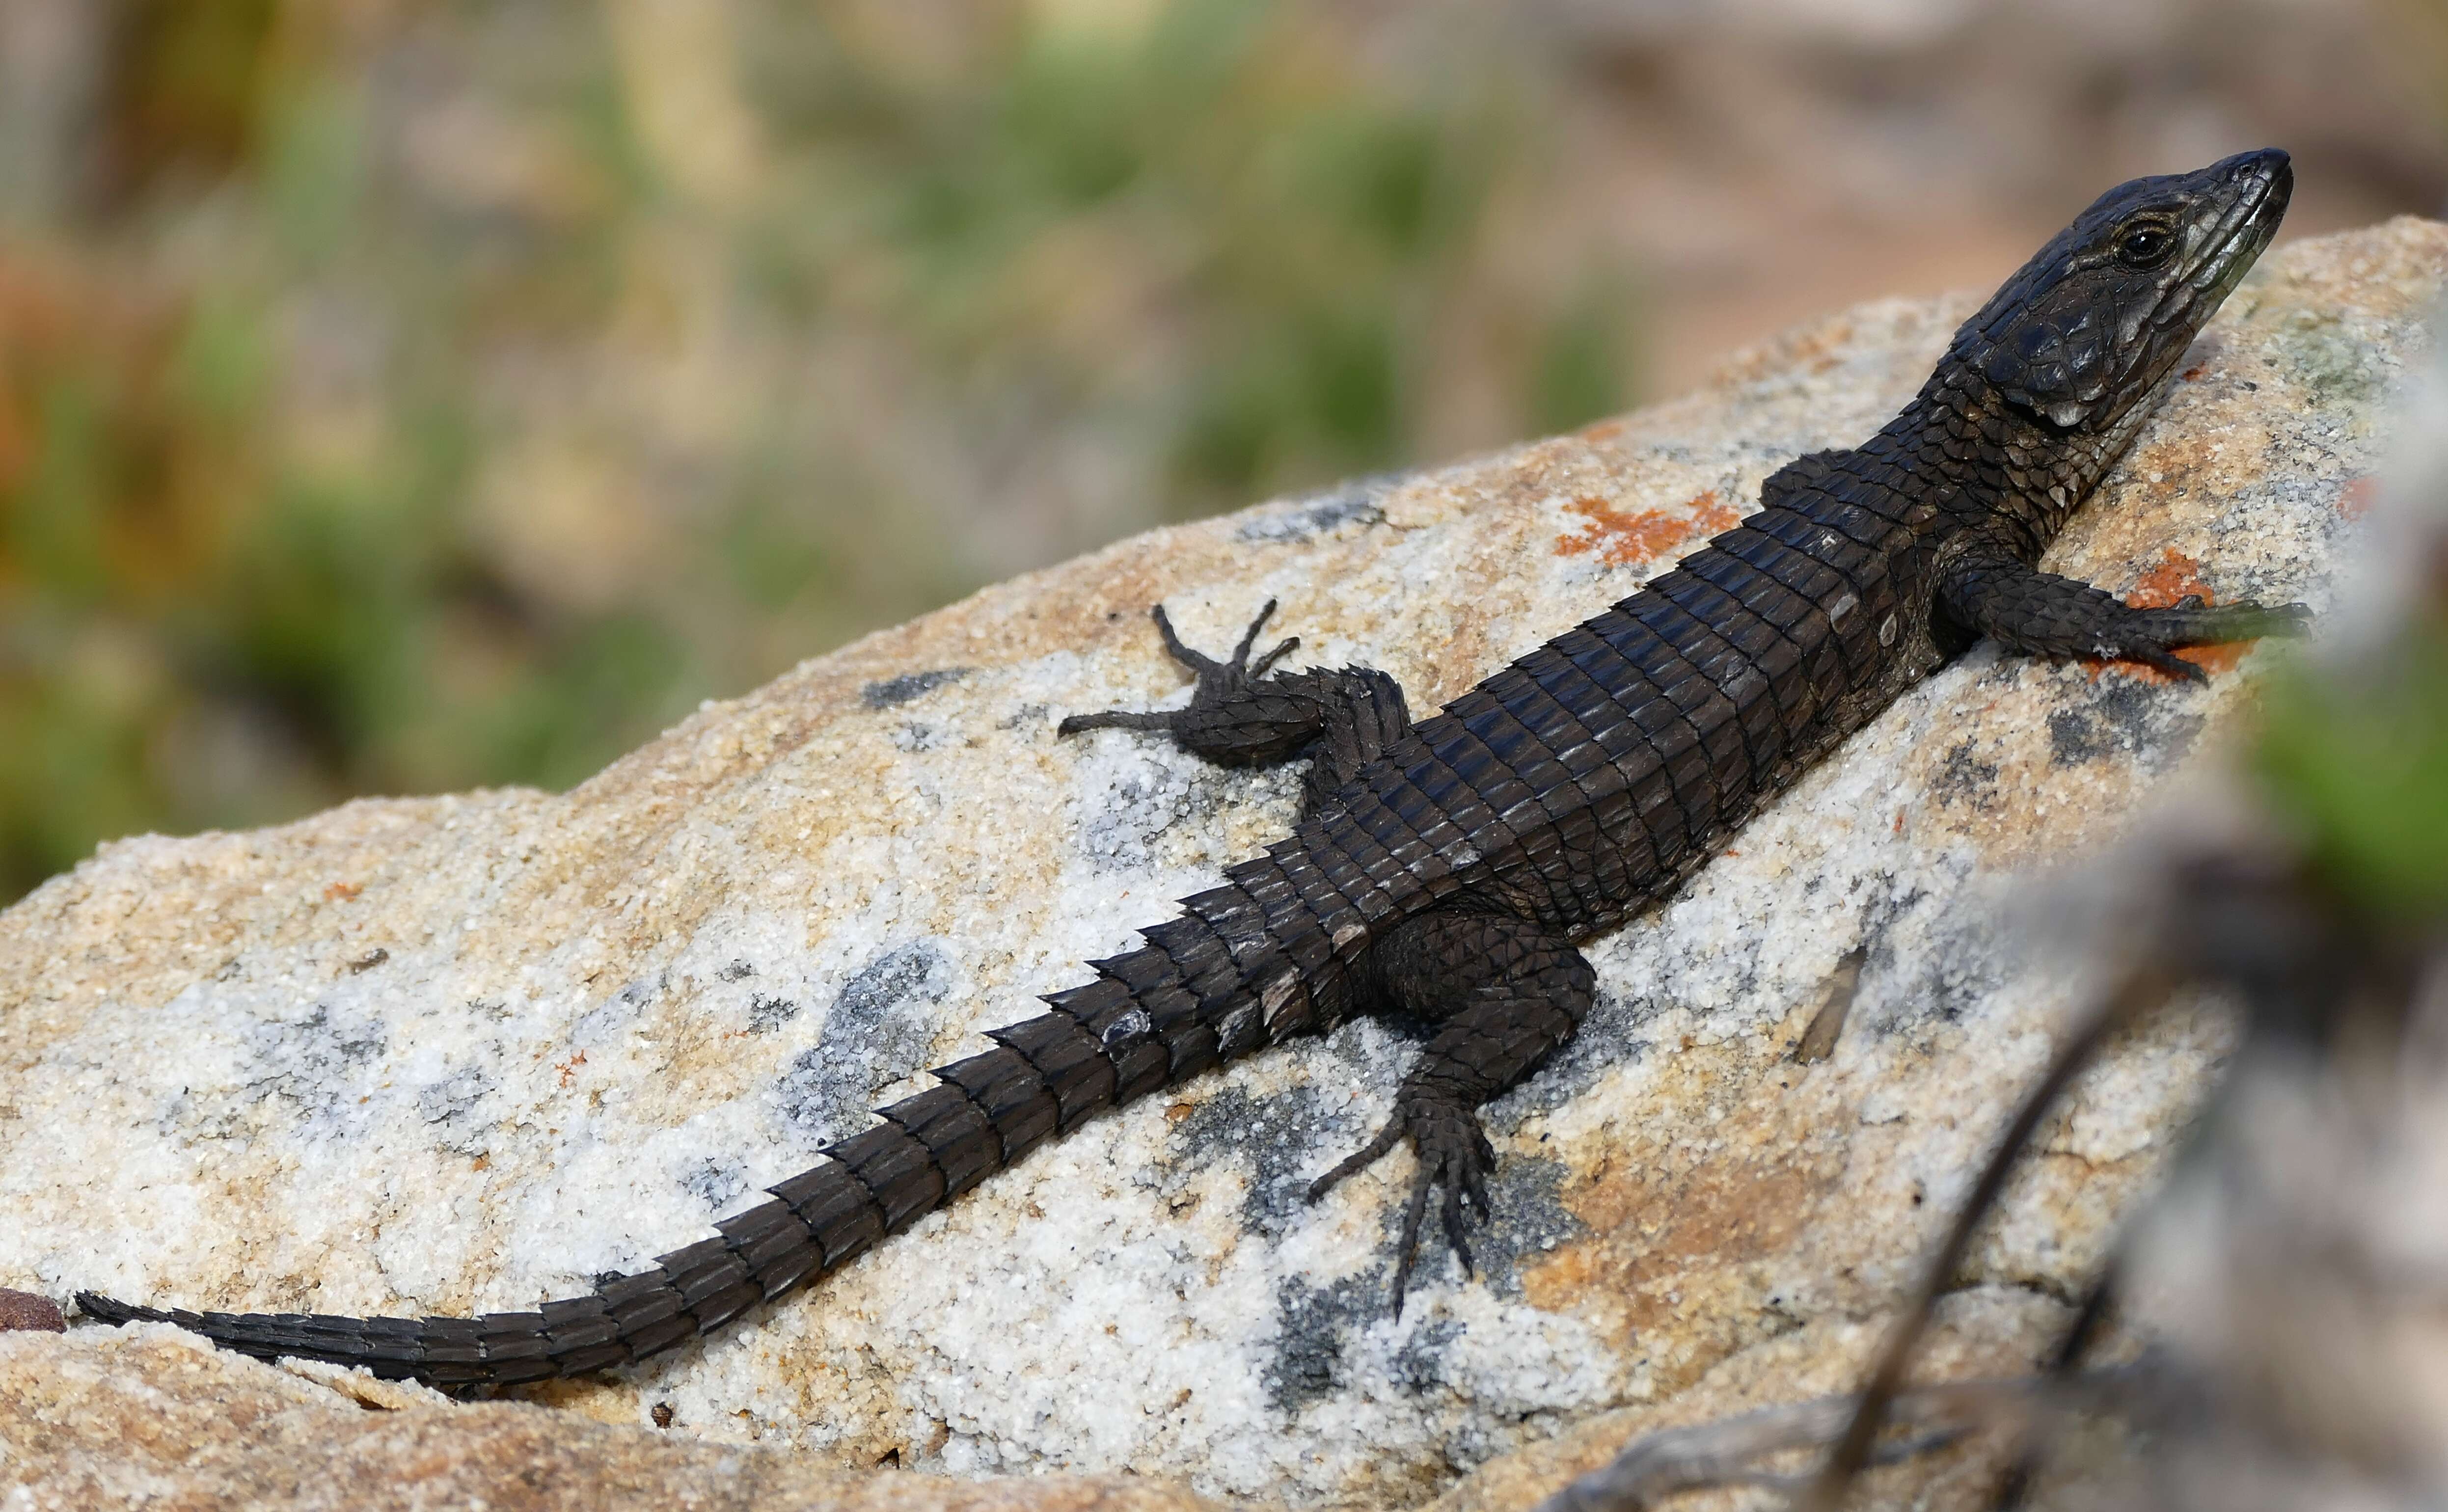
<point>2085,331</point>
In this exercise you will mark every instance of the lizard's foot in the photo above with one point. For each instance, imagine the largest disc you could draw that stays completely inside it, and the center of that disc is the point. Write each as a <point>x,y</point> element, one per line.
<point>1453,1152</point>
<point>2156,634</point>
<point>1218,681</point>
<point>1235,713</point>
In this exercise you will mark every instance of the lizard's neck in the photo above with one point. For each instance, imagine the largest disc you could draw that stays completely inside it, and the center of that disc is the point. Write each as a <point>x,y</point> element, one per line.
<point>1996,463</point>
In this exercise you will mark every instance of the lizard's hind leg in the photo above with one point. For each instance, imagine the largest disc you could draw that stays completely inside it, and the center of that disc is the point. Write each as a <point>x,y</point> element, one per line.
<point>1242,712</point>
<point>1506,994</point>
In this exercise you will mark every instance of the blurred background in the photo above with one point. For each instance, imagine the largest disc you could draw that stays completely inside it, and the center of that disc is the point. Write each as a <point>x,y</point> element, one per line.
<point>405,395</point>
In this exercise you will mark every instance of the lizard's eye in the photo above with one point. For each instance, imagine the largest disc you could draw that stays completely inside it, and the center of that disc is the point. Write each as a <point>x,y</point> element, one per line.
<point>2145,246</point>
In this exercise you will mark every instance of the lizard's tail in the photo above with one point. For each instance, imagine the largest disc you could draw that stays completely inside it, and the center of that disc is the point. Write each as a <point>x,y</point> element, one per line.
<point>1210,984</point>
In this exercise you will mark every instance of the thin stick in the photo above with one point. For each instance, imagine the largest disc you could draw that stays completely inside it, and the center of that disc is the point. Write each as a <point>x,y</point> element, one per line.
<point>2013,1491</point>
<point>1710,1455</point>
<point>2142,989</point>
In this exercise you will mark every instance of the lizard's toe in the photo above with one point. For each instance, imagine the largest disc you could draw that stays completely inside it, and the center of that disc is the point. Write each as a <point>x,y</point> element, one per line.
<point>1218,678</point>
<point>1118,720</point>
<point>1241,662</point>
<point>1454,1154</point>
<point>2161,659</point>
<point>2287,620</point>
<point>1359,1159</point>
<point>1455,1231</point>
<point>1474,1182</point>
<point>1200,662</point>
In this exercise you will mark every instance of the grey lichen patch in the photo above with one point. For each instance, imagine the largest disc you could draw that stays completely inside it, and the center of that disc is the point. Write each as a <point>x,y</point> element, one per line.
<point>1278,1137</point>
<point>767,1012</point>
<point>605,1020</point>
<point>1936,960</point>
<point>2153,725</point>
<point>1315,514</point>
<point>451,1099</point>
<point>1313,1327</point>
<point>320,1062</point>
<point>1122,823</point>
<point>893,692</point>
<point>2074,736</point>
<point>876,1032</point>
<point>717,1184</point>
<point>1967,777</point>
<point>1421,1366</point>
<point>1157,807</point>
<point>1527,1219</point>
<point>2335,364</point>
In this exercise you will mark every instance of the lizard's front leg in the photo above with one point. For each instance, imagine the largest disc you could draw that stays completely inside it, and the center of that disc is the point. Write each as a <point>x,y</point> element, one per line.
<point>1240,714</point>
<point>1507,994</point>
<point>1992,592</point>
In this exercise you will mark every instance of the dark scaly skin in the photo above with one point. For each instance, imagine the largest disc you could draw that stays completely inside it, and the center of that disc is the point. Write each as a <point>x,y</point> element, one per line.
<point>1444,869</point>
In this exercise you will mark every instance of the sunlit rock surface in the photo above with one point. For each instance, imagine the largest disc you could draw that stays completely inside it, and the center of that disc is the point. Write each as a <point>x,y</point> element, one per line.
<point>451,1055</point>
<point>153,1419</point>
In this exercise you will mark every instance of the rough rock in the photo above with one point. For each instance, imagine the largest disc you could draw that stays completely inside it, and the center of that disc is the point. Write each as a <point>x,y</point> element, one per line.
<point>149,1417</point>
<point>455,1054</point>
<point>23,1311</point>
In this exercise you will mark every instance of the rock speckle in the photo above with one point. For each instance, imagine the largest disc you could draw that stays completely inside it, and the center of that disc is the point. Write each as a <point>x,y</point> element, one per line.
<point>25,1312</point>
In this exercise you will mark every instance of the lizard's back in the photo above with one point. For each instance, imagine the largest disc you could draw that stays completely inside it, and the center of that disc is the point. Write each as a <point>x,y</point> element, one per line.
<point>1589,777</point>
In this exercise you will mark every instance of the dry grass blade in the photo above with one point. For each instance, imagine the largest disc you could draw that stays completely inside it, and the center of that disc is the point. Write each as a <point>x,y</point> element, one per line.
<point>1708,1456</point>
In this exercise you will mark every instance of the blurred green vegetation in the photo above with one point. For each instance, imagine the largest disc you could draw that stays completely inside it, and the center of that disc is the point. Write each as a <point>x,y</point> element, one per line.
<point>414,397</point>
<point>2358,763</point>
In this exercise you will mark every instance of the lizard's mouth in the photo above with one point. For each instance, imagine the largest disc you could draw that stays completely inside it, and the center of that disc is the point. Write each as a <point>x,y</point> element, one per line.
<point>2257,186</point>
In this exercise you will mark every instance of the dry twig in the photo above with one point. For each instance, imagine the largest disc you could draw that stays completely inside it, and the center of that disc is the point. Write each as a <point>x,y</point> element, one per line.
<point>1708,1456</point>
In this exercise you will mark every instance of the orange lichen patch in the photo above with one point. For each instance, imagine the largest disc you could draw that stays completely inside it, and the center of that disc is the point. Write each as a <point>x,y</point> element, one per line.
<point>2177,578</point>
<point>1679,1257</point>
<point>2356,497</point>
<point>1680,1244</point>
<point>342,892</point>
<point>568,1069</point>
<point>1604,431</point>
<point>1623,538</point>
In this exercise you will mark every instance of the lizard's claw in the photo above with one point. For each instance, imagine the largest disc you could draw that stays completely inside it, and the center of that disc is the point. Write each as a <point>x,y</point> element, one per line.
<point>2189,621</point>
<point>1453,1152</point>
